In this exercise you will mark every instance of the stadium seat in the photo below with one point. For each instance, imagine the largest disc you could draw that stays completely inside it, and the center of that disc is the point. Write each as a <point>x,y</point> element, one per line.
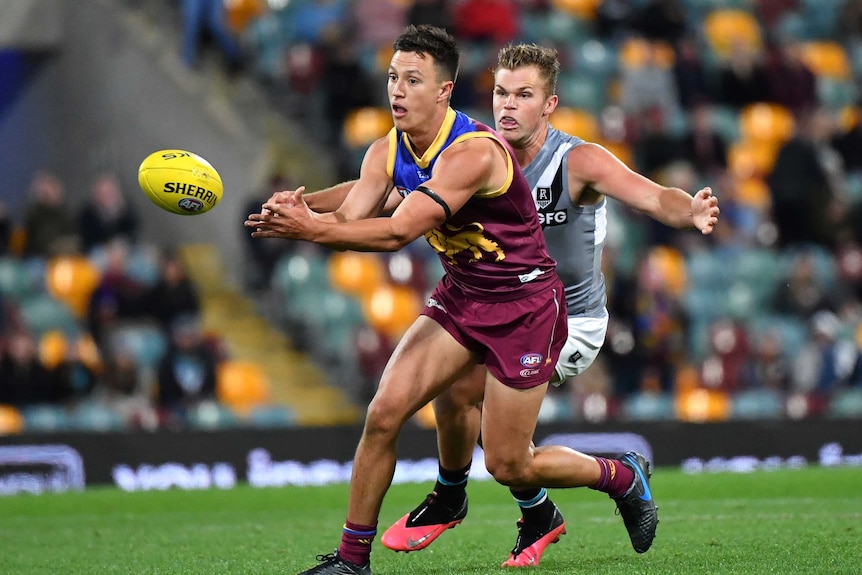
<point>836,94</point>
<point>241,385</point>
<point>757,404</point>
<point>582,91</point>
<point>42,313</point>
<point>364,125</point>
<point>751,158</point>
<point>144,341</point>
<point>298,273</point>
<point>702,405</point>
<point>725,27</point>
<point>45,418</point>
<point>11,420</point>
<point>356,273</point>
<point>582,9</point>
<point>766,122</point>
<point>14,280</point>
<point>211,415</point>
<point>72,279</point>
<point>753,192</point>
<point>92,416</point>
<point>826,58</point>
<point>648,406</point>
<point>576,122</point>
<point>391,309</point>
<point>594,57</point>
<point>552,26</point>
<point>725,121</point>
<point>271,416</point>
<point>635,52</point>
<point>846,404</point>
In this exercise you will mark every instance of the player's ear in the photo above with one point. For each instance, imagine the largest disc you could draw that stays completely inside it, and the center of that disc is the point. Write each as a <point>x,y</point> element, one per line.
<point>551,105</point>
<point>446,90</point>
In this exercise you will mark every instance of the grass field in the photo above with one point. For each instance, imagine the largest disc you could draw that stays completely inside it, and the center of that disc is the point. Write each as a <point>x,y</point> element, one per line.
<point>783,522</point>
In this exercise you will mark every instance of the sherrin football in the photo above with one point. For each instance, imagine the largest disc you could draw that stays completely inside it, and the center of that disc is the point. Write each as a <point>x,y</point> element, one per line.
<point>180,182</point>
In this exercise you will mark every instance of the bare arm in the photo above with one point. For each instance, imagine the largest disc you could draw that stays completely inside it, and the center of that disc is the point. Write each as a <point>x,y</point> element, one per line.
<point>470,166</point>
<point>591,165</point>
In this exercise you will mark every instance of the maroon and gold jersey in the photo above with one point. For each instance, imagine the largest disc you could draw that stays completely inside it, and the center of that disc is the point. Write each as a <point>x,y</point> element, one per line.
<point>492,248</point>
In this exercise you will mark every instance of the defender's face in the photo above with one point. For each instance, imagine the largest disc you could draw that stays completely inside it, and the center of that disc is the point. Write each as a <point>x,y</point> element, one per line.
<point>521,107</point>
<point>414,90</point>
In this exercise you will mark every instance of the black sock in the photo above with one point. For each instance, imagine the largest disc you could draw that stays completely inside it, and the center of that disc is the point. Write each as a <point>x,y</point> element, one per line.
<point>536,507</point>
<point>451,486</point>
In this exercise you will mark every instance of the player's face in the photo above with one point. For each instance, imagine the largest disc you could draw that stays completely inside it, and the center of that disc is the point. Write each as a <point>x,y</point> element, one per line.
<point>414,90</point>
<point>521,106</point>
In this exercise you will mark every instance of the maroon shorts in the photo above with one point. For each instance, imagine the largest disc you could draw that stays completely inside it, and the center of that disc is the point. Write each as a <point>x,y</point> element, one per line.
<point>519,340</point>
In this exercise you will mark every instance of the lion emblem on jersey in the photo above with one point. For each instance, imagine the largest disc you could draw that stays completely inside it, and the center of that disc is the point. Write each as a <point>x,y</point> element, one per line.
<point>467,238</point>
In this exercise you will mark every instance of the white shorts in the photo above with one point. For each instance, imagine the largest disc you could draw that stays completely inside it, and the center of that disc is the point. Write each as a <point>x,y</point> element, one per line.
<point>586,337</point>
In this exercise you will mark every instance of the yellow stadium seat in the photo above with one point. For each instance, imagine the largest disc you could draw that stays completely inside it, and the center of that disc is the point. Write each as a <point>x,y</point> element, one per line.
<point>72,279</point>
<point>701,405</point>
<point>753,192</point>
<point>355,272</point>
<point>576,122</point>
<point>725,27</point>
<point>826,58</point>
<point>636,52</point>
<point>391,309</point>
<point>364,125</point>
<point>11,420</point>
<point>750,158</point>
<point>622,151</point>
<point>242,385</point>
<point>766,122</point>
<point>583,9</point>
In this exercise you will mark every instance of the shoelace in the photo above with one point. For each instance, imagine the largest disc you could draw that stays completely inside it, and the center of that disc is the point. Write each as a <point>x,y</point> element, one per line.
<point>522,527</point>
<point>328,557</point>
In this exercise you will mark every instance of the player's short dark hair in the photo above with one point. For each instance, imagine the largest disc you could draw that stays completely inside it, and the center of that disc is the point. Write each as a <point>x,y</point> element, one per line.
<point>516,56</point>
<point>435,42</point>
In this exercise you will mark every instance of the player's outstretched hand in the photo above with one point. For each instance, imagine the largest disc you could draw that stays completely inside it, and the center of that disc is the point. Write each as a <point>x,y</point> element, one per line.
<point>704,210</point>
<point>285,215</point>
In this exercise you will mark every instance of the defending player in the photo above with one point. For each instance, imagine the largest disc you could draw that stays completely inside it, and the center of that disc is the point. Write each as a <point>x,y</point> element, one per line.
<point>570,179</point>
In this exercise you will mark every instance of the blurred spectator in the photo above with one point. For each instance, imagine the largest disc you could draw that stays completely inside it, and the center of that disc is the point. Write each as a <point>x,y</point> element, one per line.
<point>727,357</point>
<point>692,81</point>
<point>492,21</point>
<point>703,146</point>
<point>107,215</point>
<point>847,141</point>
<point>804,291</point>
<point>118,297</point>
<point>123,388</point>
<point>742,80</point>
<point>174,295</point>
<point>47,223</point>
<point>23,379</point>
<point>72,365</point>
<point>5,229</point>
<point>769,368</point>
<point>314,21</point>
<point>805,206</point>
<point>206,19</point>
<point>187,372</point>
<point>433,12</point>
<point>791,83</point>
<point>850,21</point>
<point>661,20</point>
<point>345,86</point>
<point>377,22</point>
<point>650,86</point>
<point>654,147</point>
<point>263,252</point>
<point>770,12</point>
<point>613,18</point>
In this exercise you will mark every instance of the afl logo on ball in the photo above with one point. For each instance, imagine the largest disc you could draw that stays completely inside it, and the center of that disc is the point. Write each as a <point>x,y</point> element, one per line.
<point>191,204</point>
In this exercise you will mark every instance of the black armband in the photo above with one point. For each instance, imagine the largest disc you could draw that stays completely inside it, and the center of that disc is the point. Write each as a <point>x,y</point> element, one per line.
<point>431,194</point>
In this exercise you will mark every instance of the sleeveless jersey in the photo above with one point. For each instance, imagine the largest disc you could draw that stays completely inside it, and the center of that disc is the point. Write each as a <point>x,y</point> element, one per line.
<point>575,234</point>
<point>492,248</point>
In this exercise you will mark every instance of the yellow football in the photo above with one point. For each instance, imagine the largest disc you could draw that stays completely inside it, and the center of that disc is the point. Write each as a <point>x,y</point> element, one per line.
<point>180,182</point>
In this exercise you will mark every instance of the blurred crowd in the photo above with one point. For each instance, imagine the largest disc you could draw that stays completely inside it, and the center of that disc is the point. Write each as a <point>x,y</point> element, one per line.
<point>758,99</point>
<point>94,321</point>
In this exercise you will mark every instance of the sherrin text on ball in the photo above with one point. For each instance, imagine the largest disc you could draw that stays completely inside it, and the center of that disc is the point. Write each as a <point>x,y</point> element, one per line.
<point>180,182</point>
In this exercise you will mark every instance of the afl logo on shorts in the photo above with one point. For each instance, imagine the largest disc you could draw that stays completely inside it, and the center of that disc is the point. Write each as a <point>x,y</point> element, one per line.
<point>531,361</point>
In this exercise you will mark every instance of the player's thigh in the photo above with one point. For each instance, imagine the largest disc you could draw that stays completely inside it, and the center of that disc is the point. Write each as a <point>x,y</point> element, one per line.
<point>426,361</point>
<point>466,392</point>
<point>509,417</point>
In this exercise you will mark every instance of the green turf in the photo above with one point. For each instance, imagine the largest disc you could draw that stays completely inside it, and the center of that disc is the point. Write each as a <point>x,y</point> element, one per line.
<point>782,522</point>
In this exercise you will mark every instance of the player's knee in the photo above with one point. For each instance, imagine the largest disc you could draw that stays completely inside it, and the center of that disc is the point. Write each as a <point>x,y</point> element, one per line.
<point>384,418</point>
<point>505,471</point>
